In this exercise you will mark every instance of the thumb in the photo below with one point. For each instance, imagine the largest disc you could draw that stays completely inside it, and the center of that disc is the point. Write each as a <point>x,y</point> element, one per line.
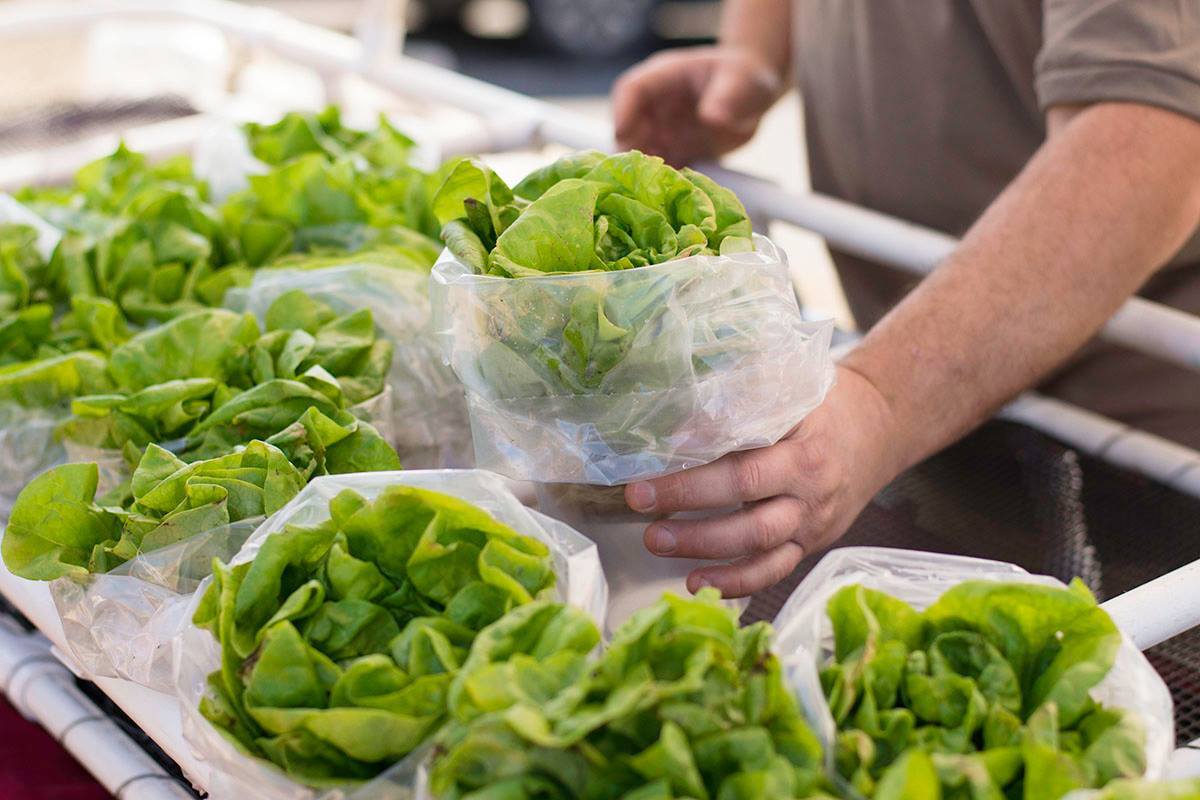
<point>736,96</point>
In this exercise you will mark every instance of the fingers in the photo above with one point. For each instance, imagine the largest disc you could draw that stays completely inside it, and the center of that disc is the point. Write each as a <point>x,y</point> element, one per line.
<point>749,575</point>
<point>642,90</point>
<point>733,101</point>
<point>655,102</point>
<point>754,529</point>
<point>737,478</point>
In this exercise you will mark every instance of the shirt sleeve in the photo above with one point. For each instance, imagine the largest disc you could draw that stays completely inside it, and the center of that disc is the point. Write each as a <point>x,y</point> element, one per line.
<point>1141,51</point>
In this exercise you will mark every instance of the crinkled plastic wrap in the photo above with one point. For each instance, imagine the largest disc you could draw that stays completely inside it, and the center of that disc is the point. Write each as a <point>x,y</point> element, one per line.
<point>121,623</point>
<point>580,582</point>
<point>27,442</point>
<point>222,159</point>
<point>28,447</point>
<point>428,423</point>
<point>920,578</point>
<point>610,377</point>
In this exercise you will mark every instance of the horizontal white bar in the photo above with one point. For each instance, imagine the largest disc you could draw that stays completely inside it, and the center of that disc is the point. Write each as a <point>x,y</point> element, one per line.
<point>1165,461</point>
<point>1156,611</point>
<point>1151,328</point>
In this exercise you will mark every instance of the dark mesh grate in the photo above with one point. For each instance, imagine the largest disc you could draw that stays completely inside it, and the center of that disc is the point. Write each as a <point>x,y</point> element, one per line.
<point>1010,493</point>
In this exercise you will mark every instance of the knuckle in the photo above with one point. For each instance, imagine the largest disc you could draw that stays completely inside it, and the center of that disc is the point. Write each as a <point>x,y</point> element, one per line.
<point>747,476</point>
<point>767,527</point>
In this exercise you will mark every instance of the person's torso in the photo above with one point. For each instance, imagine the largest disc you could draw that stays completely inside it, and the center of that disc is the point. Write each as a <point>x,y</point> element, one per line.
<point>922,110</point>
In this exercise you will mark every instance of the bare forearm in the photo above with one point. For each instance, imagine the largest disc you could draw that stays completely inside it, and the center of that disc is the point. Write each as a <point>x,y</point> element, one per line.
<point>761,27</point>
<point>1104,204</point>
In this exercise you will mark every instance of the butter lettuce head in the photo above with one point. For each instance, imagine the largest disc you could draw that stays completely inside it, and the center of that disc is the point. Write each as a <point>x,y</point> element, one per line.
<point>585,212</point>
<point>215,380</point>
<point>984,694</point>
<point>682,704</point>
<point>341,642</point>
<point>60,526</point>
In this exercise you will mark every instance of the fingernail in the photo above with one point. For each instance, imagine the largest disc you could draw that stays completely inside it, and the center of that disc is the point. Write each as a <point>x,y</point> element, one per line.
<point>641,497</point>
<point>664,540</point>
<point>700,583</point>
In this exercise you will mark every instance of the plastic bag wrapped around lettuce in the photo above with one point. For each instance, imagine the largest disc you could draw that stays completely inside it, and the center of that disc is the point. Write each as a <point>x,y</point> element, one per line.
<point>326,652</point>
<point>682,704</point>
<point>47,356</point>
<point>950,676</point>
<point>614,319</point>
<point>428,411</point>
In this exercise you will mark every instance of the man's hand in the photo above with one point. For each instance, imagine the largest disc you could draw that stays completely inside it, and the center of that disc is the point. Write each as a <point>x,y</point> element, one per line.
<point>798,496</point>
<point>693,103</point>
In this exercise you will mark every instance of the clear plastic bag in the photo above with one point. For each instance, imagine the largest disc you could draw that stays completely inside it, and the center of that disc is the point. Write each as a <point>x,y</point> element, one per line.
<point>27,442</point>
<point>428,423</point>
<point>121,623</point>
<point>28,447</point>
<point>16,213</point>
<point>580,582</point>
<point>919,578</point>
<point>611,377</point>
<point>222,158</point>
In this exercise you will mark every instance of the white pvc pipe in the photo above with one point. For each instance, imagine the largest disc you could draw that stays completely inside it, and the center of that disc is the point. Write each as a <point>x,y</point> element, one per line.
<point>42,690</point>
<point>1151,328</point>
<point>1167,462</point>
<point>1160,609</point>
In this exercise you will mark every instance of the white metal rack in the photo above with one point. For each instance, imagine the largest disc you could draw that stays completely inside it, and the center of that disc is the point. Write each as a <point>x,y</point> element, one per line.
<point>509,121</point>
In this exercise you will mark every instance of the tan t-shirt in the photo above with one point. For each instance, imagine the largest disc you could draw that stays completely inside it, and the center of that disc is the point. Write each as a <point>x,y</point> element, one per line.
<point>926,109</point>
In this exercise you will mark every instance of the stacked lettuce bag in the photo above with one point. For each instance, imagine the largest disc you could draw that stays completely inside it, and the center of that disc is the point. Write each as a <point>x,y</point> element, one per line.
<point>324,656</point>
<point>223,424</point>
<point>613,319</point>
<point>952,677</point>
<point>342,215</point>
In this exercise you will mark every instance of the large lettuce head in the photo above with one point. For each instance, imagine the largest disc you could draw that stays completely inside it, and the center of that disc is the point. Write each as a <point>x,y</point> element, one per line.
<point>586,211</point>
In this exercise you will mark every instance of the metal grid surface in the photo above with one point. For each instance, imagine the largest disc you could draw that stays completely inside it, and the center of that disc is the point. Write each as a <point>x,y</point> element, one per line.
<point>1009,493</point>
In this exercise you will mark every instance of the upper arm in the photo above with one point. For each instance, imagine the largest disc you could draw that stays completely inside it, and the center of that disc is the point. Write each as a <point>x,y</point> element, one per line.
<point>1145,52</point>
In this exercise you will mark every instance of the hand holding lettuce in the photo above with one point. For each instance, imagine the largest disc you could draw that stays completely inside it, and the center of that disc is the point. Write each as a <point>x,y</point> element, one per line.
<point>618,315</point>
